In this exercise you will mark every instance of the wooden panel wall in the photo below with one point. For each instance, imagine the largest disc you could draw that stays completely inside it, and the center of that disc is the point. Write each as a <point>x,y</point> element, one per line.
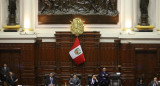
<point>90,45</point>
<point>40,58</point>
<point>26,61</point>
<point>129,61</point>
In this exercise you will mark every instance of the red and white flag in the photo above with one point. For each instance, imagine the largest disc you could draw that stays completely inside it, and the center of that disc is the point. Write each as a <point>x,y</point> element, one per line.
<point>76,53</point>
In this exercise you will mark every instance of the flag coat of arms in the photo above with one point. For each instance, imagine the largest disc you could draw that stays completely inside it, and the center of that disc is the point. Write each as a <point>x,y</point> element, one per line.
<point>76,53</point>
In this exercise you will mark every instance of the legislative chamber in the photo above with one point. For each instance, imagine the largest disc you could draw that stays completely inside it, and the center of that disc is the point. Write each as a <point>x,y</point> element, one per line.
<point>79,42</point>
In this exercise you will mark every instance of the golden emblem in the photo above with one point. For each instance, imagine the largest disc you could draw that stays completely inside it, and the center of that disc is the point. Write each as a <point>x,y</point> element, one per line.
<point>77,26</point>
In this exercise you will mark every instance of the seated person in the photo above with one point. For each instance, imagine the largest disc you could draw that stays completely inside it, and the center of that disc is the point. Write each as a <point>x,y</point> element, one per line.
<point>1,81</point>
<point>50,80</point>
<point>154,82</point>
<point>11,79</point>
<point>93,81</point>
<point>140,82</point>
<point>104,78</point>
<point>74,81</point>
<point>5,72</point>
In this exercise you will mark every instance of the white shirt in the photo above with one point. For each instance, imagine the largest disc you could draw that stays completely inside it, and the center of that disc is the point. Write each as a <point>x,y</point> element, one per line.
<point>154,84</point>
<point>5,68</point>
<point>92,81</point>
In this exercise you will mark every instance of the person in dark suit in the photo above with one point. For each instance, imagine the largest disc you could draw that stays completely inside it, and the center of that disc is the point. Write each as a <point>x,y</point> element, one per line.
<point>104,78</point>
<point>50,80</point>
<point>154,82</point>
<point>1,80</point>
<point>5,72</point>
<point>140,82</point>
<point>11,79</point>
<point>93,81</point>
<point>74,81</point>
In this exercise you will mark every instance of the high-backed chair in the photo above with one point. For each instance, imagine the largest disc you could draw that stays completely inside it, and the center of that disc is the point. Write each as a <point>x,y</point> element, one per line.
<point>78,75</point>
<point>90,76</point>
<point>45,77</point>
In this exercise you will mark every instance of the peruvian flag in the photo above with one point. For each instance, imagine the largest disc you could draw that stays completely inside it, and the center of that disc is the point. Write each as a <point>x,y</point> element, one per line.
<point>76,53</point>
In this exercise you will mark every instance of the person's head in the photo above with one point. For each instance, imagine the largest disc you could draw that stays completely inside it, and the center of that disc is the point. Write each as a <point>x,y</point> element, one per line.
<point>5,65</point>
<point>104,69</point>
<point>140,80</point>
<point>51,74</point>
<point>93,76</point>
<point>155,79</point>
<point>10,73</point>
<point>74,76</point>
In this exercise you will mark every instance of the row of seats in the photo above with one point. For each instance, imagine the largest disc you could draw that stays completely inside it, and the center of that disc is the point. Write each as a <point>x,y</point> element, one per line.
<point>114,79</point>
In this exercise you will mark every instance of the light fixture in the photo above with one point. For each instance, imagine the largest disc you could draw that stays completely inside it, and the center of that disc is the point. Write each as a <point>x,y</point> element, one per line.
<point>27,30</point>
<point>27,24</point>
<point>27,19</point>
<point>128,27</point>
<point>128,24</point>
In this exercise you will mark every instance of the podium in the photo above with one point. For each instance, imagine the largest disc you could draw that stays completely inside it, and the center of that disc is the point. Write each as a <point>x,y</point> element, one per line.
<point>115,79</point>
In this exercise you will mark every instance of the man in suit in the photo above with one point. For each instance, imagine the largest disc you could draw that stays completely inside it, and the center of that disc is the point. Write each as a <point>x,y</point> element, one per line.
<point>104,78</point>
<point>1,80</point>
<point>154,82</point>
<point>74,81</point>
<point>5,72</point>
<point>11,79</point>
<point>50,80</point>
<point>93,81</point>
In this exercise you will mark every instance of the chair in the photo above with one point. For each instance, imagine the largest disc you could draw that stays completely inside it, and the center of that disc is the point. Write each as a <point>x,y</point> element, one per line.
<point>45,77</point>
<point>78,75</point>
<point>90,76</point>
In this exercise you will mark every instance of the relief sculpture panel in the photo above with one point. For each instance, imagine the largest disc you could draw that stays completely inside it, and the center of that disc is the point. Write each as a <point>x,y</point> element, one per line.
<point>63,11</point>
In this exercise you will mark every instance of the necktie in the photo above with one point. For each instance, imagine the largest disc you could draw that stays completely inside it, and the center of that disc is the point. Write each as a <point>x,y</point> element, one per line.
<point>4,68</point>
<point>12,78</point>
<point>154,84</point>
<point>74,81</point>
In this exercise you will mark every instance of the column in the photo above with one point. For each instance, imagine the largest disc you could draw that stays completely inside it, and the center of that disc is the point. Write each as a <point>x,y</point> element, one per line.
<point>128,14</point>
<point>153,13</point>
<point>158,8</point>
<point>135,13</point>
<point>0,15</point>
<point>4,13</point>
<point>27,14</point>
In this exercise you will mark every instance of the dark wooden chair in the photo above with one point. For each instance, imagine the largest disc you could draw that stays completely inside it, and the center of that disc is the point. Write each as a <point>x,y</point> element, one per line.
<point>78,75</point>
<point>45,76</point>
<point>90,76</point>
